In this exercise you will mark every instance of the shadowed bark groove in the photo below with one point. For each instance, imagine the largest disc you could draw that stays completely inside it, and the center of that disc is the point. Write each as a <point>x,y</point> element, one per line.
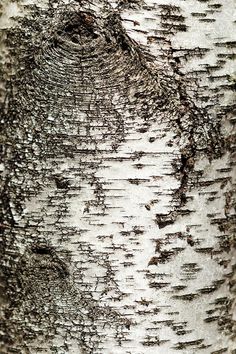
<point>102,153</point>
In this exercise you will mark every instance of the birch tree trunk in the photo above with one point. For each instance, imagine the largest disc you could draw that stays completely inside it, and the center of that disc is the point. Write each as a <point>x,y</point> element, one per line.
<point>118,177</point>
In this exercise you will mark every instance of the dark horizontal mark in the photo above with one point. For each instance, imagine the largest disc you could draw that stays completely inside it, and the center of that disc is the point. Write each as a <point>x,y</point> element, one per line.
<point>158,285</point>
<point>185,297</point>
<point>163,220</point>
<point>211,319</point>
<point>184,345</point>
<point>42,250</point>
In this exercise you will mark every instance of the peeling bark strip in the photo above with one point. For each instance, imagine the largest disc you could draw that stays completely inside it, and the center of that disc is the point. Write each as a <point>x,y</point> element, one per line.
<point>117,195</point>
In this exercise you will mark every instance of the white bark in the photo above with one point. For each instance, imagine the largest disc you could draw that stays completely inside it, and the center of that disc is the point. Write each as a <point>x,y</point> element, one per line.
<point>119,184</point>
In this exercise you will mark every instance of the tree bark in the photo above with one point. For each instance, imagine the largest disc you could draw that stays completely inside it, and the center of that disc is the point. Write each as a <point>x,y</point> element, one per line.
<point>118,191</point>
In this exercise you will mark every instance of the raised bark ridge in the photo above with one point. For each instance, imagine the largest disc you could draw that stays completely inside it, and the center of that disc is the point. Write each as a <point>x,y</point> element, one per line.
<point>99,247</point>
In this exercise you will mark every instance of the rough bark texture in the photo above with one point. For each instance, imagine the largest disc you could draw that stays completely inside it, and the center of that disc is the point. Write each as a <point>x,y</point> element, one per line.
<point>118,186</point>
